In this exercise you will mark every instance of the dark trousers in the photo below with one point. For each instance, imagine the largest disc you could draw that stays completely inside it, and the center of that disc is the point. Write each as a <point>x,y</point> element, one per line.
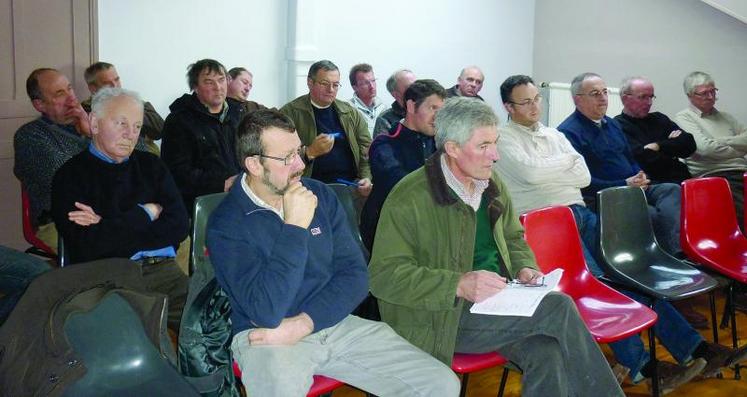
<point>166,278</point>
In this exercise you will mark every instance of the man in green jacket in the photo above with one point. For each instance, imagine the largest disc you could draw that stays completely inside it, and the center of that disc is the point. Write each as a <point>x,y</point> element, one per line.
<point>334,133</point>
<point>448,235</point>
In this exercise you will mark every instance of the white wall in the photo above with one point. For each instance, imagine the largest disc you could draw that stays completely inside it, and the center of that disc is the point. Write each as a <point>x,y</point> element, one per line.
<point>434,38</point>
<point>663,40</point>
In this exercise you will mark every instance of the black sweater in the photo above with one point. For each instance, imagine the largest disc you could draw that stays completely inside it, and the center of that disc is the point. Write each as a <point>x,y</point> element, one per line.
<point>114,192</point>
<point>662,165</point>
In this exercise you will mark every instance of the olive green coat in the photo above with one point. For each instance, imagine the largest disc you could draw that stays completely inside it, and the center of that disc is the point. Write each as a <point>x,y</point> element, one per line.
<point>302,114</point>
<point>424,243</point>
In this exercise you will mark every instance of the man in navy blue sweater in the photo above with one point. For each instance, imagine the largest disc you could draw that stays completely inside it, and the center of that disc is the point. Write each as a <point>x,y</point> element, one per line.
<point>607,154</point>
<point>283,253</point>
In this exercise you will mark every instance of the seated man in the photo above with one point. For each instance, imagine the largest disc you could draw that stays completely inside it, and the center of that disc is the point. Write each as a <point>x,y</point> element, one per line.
<point>600,140</point>
<point>199,134</point>
<point>396,84</point>
<point>448,236</point>
<point>721,138</point>
<point>657,142</point>
<point>112,202</point>
<point>103,74</point>
<point>282,251</point>
<point>469,83</point>
<point>334,133</point>
<point>43,145</point>
<point>403,150</point>
<point>541,169</point>
<point>240,83</point>
<point>364,98</point>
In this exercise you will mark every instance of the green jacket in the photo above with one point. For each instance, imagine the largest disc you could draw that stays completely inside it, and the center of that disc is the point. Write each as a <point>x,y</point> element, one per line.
<point>424,243</point>
<point>302,114</point>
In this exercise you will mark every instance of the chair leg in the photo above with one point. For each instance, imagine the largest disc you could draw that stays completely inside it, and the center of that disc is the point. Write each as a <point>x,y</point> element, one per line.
<point>727,312</point>
<point>652,354</point>
<point>463,389</point>
<point>504,378</point>
<point>712,303</point>
<point>733,314</point>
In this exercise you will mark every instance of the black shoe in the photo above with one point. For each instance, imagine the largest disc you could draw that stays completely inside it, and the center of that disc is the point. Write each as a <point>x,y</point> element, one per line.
<point>672,376</point>
<point>719,356</point>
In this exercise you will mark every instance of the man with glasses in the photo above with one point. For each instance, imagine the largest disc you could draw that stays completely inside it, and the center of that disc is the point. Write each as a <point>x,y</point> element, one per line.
<point>282,251</point>
<point>335,135</point>
<point>364,98</point>
<point>721,138</point>
<point>657,142</point>
<point>601,141</point>
<point>540,169</point>
<point>198,136</point>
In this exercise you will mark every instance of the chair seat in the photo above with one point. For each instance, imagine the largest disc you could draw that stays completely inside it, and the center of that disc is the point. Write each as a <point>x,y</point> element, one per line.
<point>467,363</point>
<point>321,385</point>
<point>611,317</point>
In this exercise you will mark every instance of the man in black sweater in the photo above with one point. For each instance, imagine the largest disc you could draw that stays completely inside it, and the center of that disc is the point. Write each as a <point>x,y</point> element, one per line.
<point>656,141</point>
<point>112,202</point>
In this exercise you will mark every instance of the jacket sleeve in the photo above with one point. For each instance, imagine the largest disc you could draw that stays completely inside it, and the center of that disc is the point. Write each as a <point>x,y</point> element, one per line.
<point>152,122</point>
<point>178,151</point>
<point>682,146</point>
<point>349,283</point>
<point>707,146</point>
<point>396,274</point>
<point>386,168</point>
<point>362,136</point>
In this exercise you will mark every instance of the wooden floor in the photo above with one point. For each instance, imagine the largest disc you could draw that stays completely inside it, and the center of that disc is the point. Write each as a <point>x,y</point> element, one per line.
<point>485,383</point>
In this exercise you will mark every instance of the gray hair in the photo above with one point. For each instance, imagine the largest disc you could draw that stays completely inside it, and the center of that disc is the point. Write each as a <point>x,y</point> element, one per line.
<point>107,94</point>
<point>324,64</point>
<point>628,82</point>
<point>695,79</point>
<point>579,80</point>
<point>391,82</point>
<point>457,120</point>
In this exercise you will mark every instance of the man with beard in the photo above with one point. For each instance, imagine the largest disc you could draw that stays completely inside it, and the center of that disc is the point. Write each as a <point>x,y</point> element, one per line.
<point>282,251</point>
<point>112,202</point>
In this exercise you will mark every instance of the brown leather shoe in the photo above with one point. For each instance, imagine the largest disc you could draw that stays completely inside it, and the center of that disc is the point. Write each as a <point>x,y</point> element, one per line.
<point>672,376</point>
<point>720,356</point>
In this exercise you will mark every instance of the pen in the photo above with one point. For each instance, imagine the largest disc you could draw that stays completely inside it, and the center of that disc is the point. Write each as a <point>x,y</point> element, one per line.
<point>335,135</point>
<point>346,182</point>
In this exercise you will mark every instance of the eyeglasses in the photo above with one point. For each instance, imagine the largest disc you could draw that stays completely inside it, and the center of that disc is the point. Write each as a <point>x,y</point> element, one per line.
<point>596,94</point>
<point>327,85</point>
<point>707,93</point>
<point>642,97</point>
<point>528,102</point>
<point>289,159</point>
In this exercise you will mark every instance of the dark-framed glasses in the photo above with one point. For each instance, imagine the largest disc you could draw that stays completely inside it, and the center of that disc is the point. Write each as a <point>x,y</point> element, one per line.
<point>327,84</point>
<point>289,159</point>
<point>528,102</point>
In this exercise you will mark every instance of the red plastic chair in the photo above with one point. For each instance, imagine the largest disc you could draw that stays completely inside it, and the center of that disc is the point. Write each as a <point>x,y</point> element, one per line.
<point>321,385</point>
<point>465,364</point>
<point>38,247</point>
<point>609,315</point>
<point>744,186</point>
<point>709,235</point>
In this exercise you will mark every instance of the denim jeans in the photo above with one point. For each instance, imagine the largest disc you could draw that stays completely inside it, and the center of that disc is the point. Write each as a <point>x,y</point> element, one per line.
<point>664,210</point>
<point>586,222</point>
<point>17,270</point>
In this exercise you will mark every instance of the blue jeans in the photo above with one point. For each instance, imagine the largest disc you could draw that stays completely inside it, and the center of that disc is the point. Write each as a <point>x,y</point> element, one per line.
<point>664,210</point>
<point>673,331</point>
<point>17,270</point>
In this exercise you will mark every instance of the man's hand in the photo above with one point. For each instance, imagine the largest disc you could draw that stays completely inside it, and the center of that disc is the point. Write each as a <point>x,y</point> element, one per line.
<point>299,205</point>
<point>322,145</point>
<point>638,180</point>
<point>85,216</point>
<point>528,275</point>
<point>479,285</point>
<point>228,183</point>
<point>289,332</point>
<point>364,187</point>
<point>652,146</point>
<point>154,209</point>
<point>674,134</point>
<point>80,118</point>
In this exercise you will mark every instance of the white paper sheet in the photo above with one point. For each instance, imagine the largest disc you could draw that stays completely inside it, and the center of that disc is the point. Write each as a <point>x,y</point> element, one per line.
<point>518,299</point>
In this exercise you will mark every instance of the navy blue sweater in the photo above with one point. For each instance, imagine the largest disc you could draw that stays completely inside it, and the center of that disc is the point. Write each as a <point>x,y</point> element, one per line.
<point>605,150</point>
<point>271,270</point>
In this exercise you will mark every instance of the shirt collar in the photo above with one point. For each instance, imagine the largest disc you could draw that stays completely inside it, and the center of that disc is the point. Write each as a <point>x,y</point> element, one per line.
<point>473,199</point>
<point>535,129</point>
<point>699,113</point>
<point>258,201</point>
<point>101,156</point>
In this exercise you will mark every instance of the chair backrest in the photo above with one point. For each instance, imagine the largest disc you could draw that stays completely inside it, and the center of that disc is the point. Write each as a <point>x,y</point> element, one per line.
<point>552,235</point>
<point>119,357</point>
<point>29,231</point>
<point>744,187</point>
<point>626,234</point>
<point>345,195</point>
<point>204,206</point>
<point>708,218</point>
